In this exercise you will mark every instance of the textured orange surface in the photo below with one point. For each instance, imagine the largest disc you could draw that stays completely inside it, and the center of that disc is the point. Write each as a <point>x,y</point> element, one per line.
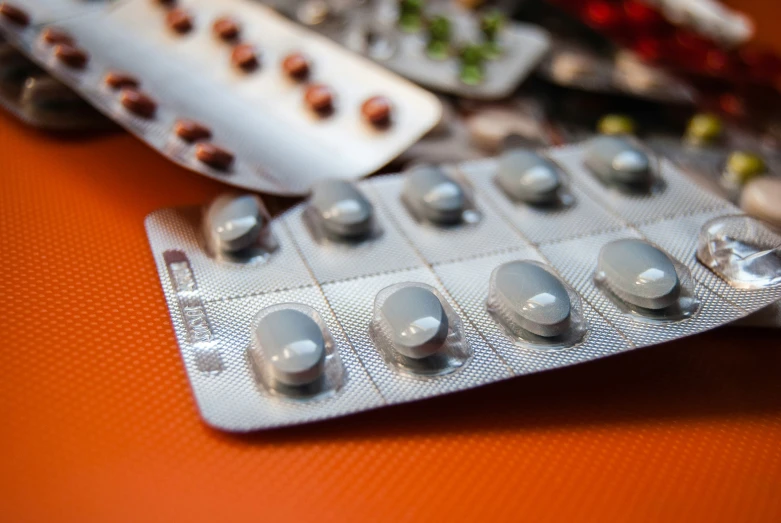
<point>97,422</point>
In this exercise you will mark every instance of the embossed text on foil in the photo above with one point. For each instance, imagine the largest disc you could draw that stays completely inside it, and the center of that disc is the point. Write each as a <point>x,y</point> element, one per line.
<point>199,332</point>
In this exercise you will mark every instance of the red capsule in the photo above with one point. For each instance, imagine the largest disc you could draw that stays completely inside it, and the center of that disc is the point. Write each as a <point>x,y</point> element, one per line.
<point>319,98</point>
<point>296,66</point>
<point>118,80</point>
<point>244,57</point>
<point>179,21</point>
<point>191,131</point>
<point>15,15</point>
<point>213,156</point>
<point>137,102</point>
<point>53,36</point>
<point>71,56</point>
<point>377,111</point>
<point>226,28</point>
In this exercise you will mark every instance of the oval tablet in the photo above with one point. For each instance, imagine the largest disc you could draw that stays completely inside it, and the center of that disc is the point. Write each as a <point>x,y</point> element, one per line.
<point>435,195</point>
<point>532,297</point>
<point>639,273</point>
<point>616,160</point>
<point>234,222</point>
<point>528,177</point>
<point>416,321</point>
<point>293,346</point>
<point>342,209</point>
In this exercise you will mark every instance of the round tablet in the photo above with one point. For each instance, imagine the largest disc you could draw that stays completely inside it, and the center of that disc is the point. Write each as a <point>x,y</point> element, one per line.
<point>639,273</point>
<point>616,160</point>
<point>293,346</point>
<point>343,210</point>
<point>743,166</point>
<point>416,321</point>
<point>616,124</point>
<point>535,298</point>
<point>704,129</point>
<point>528,177</point>
<point>234,222</point>
<point>435,194</point>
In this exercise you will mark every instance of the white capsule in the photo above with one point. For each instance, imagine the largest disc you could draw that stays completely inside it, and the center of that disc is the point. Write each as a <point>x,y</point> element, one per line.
<point>528,177</point>
<point>531,297</point>
<point>616,160</point>
<point>342,209</point>
<point>293,346</point>
<point>416,321</point>
<point>639,273</point>
<point>234,222</point>
<point>435,195</point>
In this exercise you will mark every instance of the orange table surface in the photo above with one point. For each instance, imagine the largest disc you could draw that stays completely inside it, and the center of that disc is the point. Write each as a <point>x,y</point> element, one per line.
<point>98,423</point>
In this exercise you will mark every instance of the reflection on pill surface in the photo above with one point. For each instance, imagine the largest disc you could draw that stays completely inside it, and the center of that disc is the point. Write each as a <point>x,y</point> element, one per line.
<point>639,273</point>
<point>439,198</point>
<point>234,222</point>
<point>417,322</point>
<point>533,297</point>
<point>342,209</point>
<point>617,161</point>
<point>528,177</point>
<point>293,346</point>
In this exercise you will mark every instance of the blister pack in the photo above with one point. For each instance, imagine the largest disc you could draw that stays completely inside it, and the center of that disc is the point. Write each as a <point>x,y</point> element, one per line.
<point>231,90</point>
<point>572,65</point>
<point>447,48</point>
<point>403,287</point>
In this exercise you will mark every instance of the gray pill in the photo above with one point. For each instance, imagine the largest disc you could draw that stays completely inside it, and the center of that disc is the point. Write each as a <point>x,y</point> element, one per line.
<point>293,346</point>
<point>616,160</point>
<point>235,222</point>
<point>639,273</point>
<point>342,209</point>
<point>535,298</point>
<point>528,177</point>
<point>417,321</point>
<point>433,193</point>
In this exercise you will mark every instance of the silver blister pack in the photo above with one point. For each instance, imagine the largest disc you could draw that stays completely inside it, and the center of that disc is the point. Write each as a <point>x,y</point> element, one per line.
<point>237,91</point>
<point>417,303</point>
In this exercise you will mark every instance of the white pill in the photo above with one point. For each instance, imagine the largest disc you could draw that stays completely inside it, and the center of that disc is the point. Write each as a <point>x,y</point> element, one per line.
<point>434,194</point>
<point>416,321</point>
<point>532,297</point>
<point>616,160</point>
<point>639,273</point>
<point>762,198</point>
<point>293,346</point>
<point>342,209</point>
<point>235,222</point>
<point>528,177</point>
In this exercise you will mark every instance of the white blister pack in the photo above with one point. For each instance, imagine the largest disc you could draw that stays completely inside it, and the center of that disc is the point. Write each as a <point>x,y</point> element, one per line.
<point>445,278</point>
<point>231,89</point>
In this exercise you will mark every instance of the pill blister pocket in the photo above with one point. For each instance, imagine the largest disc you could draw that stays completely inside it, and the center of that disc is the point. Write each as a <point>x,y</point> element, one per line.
<point>342,282</point>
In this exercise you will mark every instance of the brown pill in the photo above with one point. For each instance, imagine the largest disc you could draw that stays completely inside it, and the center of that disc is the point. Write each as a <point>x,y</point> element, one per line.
<point>137,102</point>
<point>166,3</point>
<point>53,36</point>
<point>191,131</point>
<point>15,15</point>
<point>296,66</point>
<point>117,80</point>
<point>244,57</point>
<point>319,98</point>
<point>213,156</point>
<point>226,28</point>
<point>71,55</point>
<point>377,111</point>
<point>179,20</point>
